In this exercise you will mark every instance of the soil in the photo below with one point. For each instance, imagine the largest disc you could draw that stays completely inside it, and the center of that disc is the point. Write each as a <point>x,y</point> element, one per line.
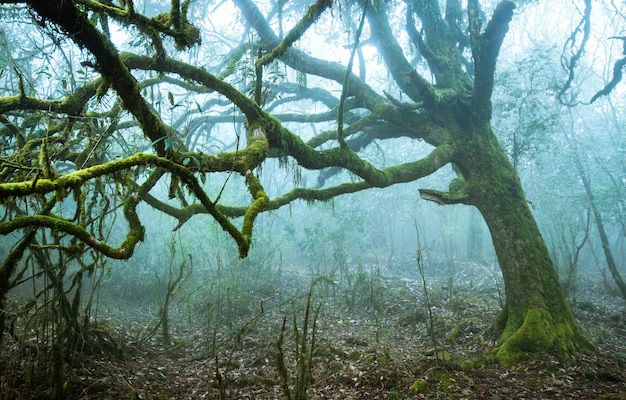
<point>365,348</point>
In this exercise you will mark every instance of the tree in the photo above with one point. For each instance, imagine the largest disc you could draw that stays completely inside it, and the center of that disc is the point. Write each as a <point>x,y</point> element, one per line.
<point>453,47</point>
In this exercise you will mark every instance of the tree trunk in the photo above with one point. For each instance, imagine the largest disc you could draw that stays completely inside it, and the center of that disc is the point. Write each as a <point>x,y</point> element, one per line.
<point>474,238</point>
<point>536,317</point>
<point>604,239</point>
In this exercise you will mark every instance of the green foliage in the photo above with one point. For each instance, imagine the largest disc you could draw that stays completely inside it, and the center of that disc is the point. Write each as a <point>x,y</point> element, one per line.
<point>525,115</point>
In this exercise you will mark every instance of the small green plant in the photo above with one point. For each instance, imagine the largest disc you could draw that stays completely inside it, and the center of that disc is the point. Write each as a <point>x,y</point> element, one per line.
<point>304,348</point>
<point>420,265</point>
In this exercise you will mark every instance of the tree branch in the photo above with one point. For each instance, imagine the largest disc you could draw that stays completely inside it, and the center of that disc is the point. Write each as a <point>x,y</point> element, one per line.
<point>85,34</point>
<point>485,50</point>
<point>442,198</point>
<point>617,77</point>
<point>399,67</point>
<point>312,14</point>
<point>302,62</point>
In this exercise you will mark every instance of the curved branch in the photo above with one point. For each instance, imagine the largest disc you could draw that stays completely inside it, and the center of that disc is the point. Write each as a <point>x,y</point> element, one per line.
<point>124,251</point>
<point>570,65</point>
<point>617,77</point>
<point>239,161</point>
<point>302,62</point>
<point>135,235</point>
<point>261,203</point>
<point>402,173</point>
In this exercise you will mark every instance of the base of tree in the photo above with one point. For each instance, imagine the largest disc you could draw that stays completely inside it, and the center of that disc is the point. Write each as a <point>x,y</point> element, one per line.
<point>538,333</point>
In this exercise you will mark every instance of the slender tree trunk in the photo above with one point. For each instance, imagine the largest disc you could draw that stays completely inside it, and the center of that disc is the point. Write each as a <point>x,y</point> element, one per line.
<point>604,239</point>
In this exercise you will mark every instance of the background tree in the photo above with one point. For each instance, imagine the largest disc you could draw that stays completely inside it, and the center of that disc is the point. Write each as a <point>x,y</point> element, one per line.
<point>75,152</point>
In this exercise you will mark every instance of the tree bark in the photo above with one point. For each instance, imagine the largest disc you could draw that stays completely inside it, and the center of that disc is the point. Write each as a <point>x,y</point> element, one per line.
<point>536,318</point>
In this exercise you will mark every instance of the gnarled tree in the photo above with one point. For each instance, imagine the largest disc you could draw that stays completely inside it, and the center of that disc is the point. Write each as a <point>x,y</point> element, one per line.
<point>54,147</point>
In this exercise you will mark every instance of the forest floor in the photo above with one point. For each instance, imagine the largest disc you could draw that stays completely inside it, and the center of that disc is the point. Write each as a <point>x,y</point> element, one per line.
<point>376,339</point>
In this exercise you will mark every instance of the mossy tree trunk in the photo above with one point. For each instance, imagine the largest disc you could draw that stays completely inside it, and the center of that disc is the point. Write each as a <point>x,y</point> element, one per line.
<point>536,317</point>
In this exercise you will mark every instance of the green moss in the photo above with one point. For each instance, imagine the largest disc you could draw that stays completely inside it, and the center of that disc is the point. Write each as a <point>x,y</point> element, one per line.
<point>538,334</point>
<point>163,19</point>
<point>419,386</point>
<point>354,355</point>
<point>441,379</point>
<point>261,203</point>
<point>472,363</point>
<point>186,36</point>
<point>413,317</point>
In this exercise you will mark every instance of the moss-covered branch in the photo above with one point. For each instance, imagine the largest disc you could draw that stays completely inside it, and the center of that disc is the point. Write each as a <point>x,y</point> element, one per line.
<point>442,198</point>
<point>312,14</point>
<point>485,51</point>
<point>239,161</point>
<point>402,173</point>
<point>441,43</point>
<point>398,174</point>
<point>260,204</point>
<point>173,24</point>
<point>70,105</point>
<point>124,251</point>
<point>78,27</point>
<point>418,88</point>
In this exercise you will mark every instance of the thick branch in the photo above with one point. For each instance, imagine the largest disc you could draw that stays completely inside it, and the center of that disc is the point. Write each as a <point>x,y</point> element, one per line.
<point>442,198</point>
<point>402,173</point>
<point>222,162</point>
<point>173,24</point>
<point>388,46</point>
<point>71,105</point>
<point>485,51</point>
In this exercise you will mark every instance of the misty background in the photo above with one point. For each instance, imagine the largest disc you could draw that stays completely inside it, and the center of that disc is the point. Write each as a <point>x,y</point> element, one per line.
<point>371,253</point>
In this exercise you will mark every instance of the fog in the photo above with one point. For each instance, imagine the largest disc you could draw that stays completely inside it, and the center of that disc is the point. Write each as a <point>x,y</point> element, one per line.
<point>201,227</point>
